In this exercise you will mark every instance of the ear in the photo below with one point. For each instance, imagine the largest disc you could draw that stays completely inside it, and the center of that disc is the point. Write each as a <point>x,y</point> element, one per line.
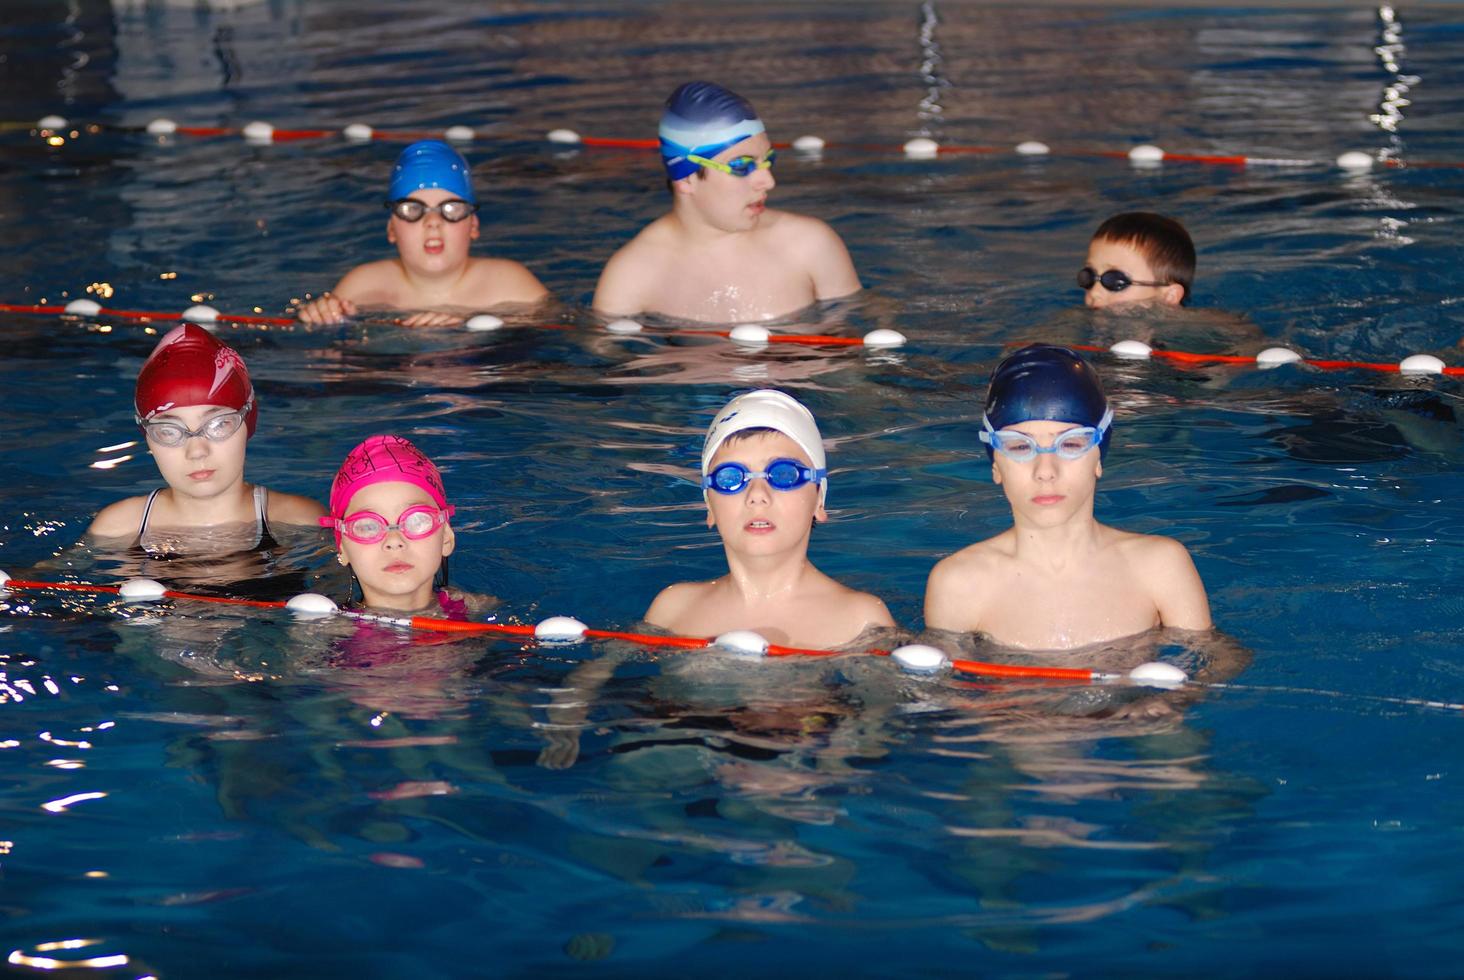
<point>390,231</point>
<point>1172,294</point>
<point>711,521</point>
<point>342,560</point>
<point>820,514</point>
<point>1098,469</point>
<point>449,540</point>
<point>684,185</point>
<point>473,227</point>
<point>995,471</point>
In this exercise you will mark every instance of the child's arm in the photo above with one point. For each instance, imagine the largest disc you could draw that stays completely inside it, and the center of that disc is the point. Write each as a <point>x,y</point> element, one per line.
<point>830,267</point>
<point>287,508</point>
<point>948,598</point>
<point>336,304</point>
<point>620,291</point>
<point>1178,593</point>
<point>119,520</point>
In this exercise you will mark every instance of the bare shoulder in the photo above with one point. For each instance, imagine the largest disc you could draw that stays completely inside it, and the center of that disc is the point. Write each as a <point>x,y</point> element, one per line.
<point>119,520</point>
<point>502,281</point>
<point>957,585</point>
<point>815,247</point>
<point>798,229</point>
<point>868,608</point>
<point>1152,555</point>
<point>366,281</point>
<point>675,601</point>
<point>1168,573</point>
<point>287,508</point>
<point>623,281</point>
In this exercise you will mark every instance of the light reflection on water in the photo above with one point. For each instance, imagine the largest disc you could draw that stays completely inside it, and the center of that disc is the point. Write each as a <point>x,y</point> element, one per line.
<point>260,798</point>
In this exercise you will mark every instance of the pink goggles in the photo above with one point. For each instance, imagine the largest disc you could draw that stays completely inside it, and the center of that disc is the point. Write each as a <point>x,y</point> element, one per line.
<point>369,527</point>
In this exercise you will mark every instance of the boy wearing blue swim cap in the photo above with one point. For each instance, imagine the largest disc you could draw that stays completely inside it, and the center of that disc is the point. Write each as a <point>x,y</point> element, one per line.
<point>721,255</point>
<point>433,223</point>
<point>1057,578</point>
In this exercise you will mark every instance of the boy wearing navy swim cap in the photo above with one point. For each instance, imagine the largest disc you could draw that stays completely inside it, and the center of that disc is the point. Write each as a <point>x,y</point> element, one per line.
<point>433,223</point>
<point>721,255</point>
<point>1057,578</point>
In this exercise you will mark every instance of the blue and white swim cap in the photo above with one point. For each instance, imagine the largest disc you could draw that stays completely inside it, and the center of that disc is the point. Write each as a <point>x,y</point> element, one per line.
<point>1044,382</point>
<point>703,118</point>
<point>431,165</point>
<point>767,408</point>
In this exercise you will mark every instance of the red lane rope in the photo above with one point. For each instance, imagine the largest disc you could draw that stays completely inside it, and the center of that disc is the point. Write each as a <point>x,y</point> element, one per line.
<point>1185,357</point>
<point>103,313</point>
<point>437,625</point>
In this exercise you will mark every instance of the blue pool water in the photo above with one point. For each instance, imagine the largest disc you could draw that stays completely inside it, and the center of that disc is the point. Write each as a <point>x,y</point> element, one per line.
<point>226,800</point>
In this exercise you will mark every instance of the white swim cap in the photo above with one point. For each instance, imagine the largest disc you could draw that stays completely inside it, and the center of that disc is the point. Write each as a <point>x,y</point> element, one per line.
<point>768,409</point>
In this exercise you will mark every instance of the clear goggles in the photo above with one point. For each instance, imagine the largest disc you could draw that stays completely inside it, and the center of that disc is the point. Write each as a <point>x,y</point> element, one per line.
<point>369,527</point>
<point>1114,280</point>
<point>780,474</point>
<point>743,166</point>
<point>1022,448</point>
<point>411,210</point>
<point>215,429</point>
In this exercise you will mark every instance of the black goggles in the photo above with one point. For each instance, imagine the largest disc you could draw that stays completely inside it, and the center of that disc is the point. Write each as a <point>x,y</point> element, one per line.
<point>1114,280</point>
<point>411,210</point>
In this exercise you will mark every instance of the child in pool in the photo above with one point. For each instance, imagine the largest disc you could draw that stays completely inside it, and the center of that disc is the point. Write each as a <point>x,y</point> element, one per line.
<point>391,519</point>
<point>764,479</point>
<point>1057,578</point>
<point>197,410</point>
<point>721,255</point>
<point>1138,257</point>
<point>433,223</point>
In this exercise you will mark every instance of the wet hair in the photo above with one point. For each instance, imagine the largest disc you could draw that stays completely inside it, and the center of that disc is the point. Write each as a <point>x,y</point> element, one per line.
<point>1162,241</point>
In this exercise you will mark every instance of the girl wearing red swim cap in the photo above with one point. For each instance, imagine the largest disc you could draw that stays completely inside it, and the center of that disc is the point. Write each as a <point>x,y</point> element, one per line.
<point>197,410</point>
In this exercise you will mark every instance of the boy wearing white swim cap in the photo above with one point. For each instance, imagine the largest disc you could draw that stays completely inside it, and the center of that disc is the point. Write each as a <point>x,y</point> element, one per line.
<point>764,479</point>
<point>1058,579</point>
<point>721,255</point>
<point>433,223</point>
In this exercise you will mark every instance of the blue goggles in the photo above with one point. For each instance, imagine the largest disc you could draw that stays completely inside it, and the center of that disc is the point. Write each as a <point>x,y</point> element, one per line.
<point>1022,448</point>
<point>781,474</point>
<point>743,166</point>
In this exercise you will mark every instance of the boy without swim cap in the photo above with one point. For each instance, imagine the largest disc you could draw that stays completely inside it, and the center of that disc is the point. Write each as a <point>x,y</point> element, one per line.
<point>1043,382</point>
<point>431,165</point>
<point>768,409</point>
<point>380,459</point>
<point>703,118</point>
<point>189,367</point>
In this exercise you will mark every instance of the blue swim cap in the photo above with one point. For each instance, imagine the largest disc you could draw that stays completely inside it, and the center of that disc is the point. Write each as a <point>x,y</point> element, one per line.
<point>1047,383</point>
<point>703,118</point>
<point>428,165</point>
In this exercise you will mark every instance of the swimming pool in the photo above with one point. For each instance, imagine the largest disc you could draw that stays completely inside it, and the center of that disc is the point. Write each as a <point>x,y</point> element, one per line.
<point>264,814</point>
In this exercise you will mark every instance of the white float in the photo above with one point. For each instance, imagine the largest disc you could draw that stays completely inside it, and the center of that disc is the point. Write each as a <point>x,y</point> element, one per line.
<point>51,122</point>
<point>484,322</point>
<point>922,148</point>
<point>162,127</point>
<point>744,643</point>
<point>563,136</point>
<point>84,307</point>
<point>1421,364</point>
<point>4,577</point>
<point>201,314</point>
<point>884,337</point>
<point>1133,349</point>
<point>1277,356</point>
<point>560,629</point>
<point>258,132</point>
<point>142,589</point>
<point>1355,161</point>
<point>917,658</point>
<point>749,333</point>
<point>1146,154</point>
<point>460,134</point>
<point>809,144</point>
<point>358,133</point>
<point>624,326</point>
<point>1033,148</point>
<point>309,605</point>
<point>1155,674</point>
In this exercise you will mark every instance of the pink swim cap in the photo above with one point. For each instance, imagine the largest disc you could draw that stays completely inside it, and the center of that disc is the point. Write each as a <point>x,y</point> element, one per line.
<point>382,459</point>
<point>190,366</point>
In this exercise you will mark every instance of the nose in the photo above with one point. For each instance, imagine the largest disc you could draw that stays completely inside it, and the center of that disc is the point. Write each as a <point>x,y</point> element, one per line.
<point>1095,296</point>
<point>394,539</point>
<point>758,491</point>
<point>196,447</point>
<point>764,180</point>
<point>1044,467</point>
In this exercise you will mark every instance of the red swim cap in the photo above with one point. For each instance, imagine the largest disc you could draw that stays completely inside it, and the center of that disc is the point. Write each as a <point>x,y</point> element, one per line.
<point>190,366</point>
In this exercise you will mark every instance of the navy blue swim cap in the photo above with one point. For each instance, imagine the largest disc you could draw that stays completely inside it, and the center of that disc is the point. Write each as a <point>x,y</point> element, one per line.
<point>1044,382</point>
<point>703,118</point>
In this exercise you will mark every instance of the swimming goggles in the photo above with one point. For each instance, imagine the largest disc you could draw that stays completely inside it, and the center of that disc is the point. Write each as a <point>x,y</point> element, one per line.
<point>743,166</point>
<point>781,474</point>
<point>411,210</point>
<point>1022,448</point>
<point>369,527</point>
<point>216,429</point>
<point>1114,280</point>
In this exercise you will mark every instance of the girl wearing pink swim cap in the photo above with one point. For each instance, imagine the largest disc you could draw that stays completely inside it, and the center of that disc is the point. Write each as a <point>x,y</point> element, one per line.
<point>391,519</point>
<point>197,410</point>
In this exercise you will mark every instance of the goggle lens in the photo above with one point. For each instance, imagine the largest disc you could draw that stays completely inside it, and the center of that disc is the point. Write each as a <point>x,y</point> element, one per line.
<point>1022,448</point>
<point>412,210</point>
<point>174,434</point>
<point>1114,280</point>
<point>368,527</point>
